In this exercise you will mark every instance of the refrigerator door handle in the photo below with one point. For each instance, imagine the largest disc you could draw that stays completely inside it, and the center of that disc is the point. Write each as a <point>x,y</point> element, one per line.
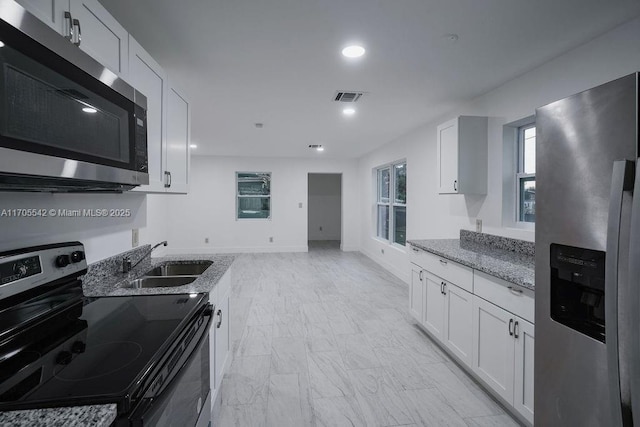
<point>621,181</point>
<point>634,294</point>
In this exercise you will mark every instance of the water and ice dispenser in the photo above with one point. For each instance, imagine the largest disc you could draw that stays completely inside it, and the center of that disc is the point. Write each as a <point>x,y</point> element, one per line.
<point>577,289</point>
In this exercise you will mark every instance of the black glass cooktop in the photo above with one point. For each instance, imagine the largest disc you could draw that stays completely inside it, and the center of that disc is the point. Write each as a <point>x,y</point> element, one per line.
<point>95,351</point>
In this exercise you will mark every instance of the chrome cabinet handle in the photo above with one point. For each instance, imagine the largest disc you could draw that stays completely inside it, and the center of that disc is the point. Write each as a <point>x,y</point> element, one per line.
<point>167,182</point>
<point>420,275</point>
<point>76,23</point>
<point>219,314</point>
<point>621,180</point>
<point>441,287</point>
<point>455,185</point>
<point>443,262</point>
<point>444,288</point>
<point>414,249</point>
<point>170,179</point>
<point>516,332</point>
<point>510,326</point>
<point>68,26</point>
<point>515,291</point>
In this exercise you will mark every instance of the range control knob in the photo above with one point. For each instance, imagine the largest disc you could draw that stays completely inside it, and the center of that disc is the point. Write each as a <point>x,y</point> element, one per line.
<point>78,347</point>
<point>62,261</point>
<point>64,358</point>
<point>77,256</point>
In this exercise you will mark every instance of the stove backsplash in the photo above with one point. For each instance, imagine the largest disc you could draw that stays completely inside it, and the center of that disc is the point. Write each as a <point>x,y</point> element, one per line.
<point>500,242</point>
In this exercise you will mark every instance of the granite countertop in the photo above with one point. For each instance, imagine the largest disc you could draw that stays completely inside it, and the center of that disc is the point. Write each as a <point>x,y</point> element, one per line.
<point>117,286</point>
<point>77,416</point>
<point>514,267</point>
<point>105,279</point>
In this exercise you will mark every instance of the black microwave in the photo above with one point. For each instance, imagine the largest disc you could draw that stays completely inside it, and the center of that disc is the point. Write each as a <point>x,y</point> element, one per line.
<point>67,123</point>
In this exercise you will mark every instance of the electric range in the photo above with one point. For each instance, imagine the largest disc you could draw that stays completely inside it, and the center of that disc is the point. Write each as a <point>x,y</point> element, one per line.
<point>59,348</point>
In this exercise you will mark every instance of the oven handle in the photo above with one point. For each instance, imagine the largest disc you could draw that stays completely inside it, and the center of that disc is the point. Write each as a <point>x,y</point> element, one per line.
<point>151,395</point>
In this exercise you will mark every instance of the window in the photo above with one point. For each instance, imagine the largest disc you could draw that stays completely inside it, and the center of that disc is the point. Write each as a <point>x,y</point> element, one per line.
<point>253,195</point>
<point>391,209</point>
<point>526,175</point>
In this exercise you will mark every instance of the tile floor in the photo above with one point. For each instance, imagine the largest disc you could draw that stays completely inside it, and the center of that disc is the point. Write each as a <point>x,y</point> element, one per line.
<point>324,339</point>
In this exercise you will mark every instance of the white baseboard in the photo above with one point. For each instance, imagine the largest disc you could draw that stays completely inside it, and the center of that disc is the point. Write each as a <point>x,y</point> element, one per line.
<point>236,250</point>
<point>402,275</point>
<point>345,248</point>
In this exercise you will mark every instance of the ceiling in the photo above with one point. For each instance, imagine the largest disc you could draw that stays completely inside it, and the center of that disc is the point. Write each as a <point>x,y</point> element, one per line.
<point>278,62</point>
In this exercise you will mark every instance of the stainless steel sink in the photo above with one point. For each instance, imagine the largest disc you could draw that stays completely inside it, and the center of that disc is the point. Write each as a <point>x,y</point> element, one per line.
<point>195,268</point>
<point>162,282</point>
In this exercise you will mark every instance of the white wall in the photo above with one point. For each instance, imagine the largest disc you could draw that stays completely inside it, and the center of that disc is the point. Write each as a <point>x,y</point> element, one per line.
<point>430,215</point>
<point>208,211</point>
<point>325,196</point>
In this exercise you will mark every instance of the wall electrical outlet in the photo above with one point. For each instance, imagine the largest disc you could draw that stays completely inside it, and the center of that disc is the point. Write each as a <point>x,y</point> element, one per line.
<point>206,240</point>
<point>270,239</point>
<point>300,205</point>
<point>382,250</point>
<point>135,237</point>
<point>478,226</point>
<point>320,228</point>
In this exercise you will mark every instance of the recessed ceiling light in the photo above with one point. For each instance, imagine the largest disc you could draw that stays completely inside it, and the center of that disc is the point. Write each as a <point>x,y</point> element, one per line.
<point>451,38</point>
<point>89,110</point>
<point>320,148</point>
<point>259,125</point>
<point>317,147</point>
<point>193,145</point>
<point>1,44</point>
<point>353,51</point>
<point>349,111</point>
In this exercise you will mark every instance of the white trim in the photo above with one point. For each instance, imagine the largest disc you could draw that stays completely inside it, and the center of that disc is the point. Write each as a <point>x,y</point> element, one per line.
<point>404,276</point>
<point>236,250</point>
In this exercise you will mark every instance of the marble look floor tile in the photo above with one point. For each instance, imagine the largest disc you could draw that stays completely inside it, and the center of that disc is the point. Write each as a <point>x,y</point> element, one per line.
<point>288,356</point>
<point>238,310</point>
<point>241,416</point>
<point>457,395</point>
<point>357,352</point>
<point>256,341</point>
<point>492,421</point>
<point>405,373</point>
<point>261,312</point>
<point>341,323</point>
<point>338,412</point>
<point>328,376</point>
<point>284,406</point>
<point>474,387</point>
<point>294,329</point>
<point>380,403</point>
<point>246,382</point>
<point>428,408</point>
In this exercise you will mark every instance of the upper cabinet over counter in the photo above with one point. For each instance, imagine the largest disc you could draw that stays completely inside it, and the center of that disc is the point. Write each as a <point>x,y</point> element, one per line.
<point>88,25</point>
<point>462,156</point>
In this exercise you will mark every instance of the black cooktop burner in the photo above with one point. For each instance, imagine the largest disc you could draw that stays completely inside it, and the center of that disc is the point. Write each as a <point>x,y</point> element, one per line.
<point>94,352</point>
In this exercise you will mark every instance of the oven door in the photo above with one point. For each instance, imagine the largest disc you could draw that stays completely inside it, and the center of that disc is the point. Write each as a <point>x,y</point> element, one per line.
<point>182,397</point>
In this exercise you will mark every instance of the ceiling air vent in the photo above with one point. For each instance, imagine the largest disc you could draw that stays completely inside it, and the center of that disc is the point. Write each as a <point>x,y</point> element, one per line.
<point>344,96</point>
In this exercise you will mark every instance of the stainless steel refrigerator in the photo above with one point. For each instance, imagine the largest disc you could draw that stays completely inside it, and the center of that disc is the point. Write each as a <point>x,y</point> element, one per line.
<point>587,330</point>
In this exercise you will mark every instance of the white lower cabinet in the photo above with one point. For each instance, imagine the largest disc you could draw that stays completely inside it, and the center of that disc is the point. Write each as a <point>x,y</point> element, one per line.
<point>483,321</point>
<point>447,315</point>
<point>219,340</point>
<point>503,354</point>
<point>416,294</point>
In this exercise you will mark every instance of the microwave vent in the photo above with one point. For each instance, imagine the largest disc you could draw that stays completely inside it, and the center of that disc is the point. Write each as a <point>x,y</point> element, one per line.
<point>347,96</point>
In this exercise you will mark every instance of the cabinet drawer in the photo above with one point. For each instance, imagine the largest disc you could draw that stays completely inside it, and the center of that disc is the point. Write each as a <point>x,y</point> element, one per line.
<point>512,298</point>
<point>458,274</point>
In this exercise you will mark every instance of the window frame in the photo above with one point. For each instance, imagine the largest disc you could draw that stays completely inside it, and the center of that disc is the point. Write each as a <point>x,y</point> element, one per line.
<point>261,196</point>
<point>520,175</point>
<point>391,203</point>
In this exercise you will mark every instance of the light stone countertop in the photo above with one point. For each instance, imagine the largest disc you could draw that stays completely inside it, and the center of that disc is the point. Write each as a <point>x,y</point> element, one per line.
<point>514,267</point>
<point>104,279</point>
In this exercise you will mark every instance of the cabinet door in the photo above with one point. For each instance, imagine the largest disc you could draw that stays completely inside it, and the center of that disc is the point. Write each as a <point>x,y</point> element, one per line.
<point>51,12</point>
<point>493,347</point>
<point>434,305</point>
<point>416,295</point>
<point>448,157</point>
<point>458,330</point>
<point>523,392</point>
<point>177,143</point>
<point>102,36</point>
<point>222,338</point>
<point>148,77</point>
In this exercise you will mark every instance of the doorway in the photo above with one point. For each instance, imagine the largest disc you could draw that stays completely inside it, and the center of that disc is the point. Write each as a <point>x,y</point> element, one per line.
<point>324,222</point>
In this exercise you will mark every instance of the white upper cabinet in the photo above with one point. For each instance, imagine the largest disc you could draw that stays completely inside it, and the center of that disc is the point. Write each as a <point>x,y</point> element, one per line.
<point>177,143</point>
<point>462,156</point>
<point>88,25</point>
<point>146,75</point>
<point>98,33</point>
